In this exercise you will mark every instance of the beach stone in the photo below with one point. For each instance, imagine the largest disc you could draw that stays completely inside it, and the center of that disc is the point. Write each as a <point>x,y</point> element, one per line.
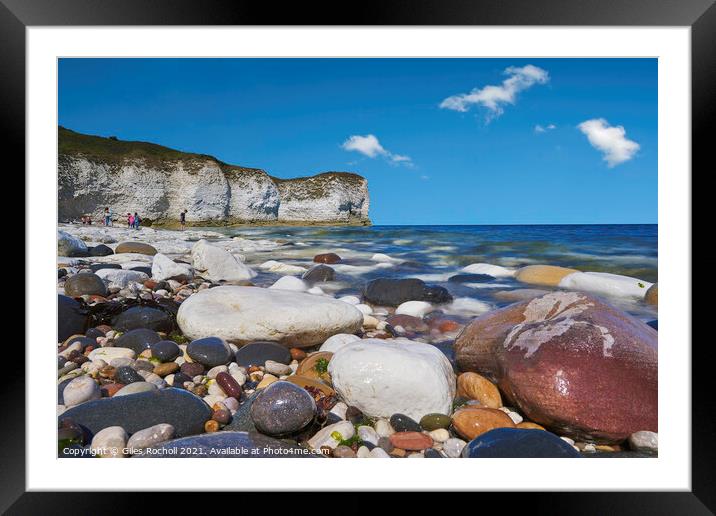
<point>229,385</point>
<point>138,339</point>
<point>282,408</point>
<point>135,388</point>
<point>408,322</point>
<point>164,268</point>
<point>165,350</point>
<point>327,258</point>
<point>218,264</point>
<point>80,390</point>
<point>229,444</point>
<point>94,267</point>
<point>431,422</point>
<point>453,447</point>
<point>383,428</point>
<point>343,452</point>
<point>304,382</point>
<point>547,275</point>
<point>527,425</point>
<point>143,317</point>
<point>68,245</point>
<point>440,435</point>
<point>644,440</point>
<point>368,435</point>
<point>127,375</point>
<point>518,443</point>
<point>433,454</point>
<point>385,377</point>
<point>332,435</point>
<point>258,353</point>
<point>290,283</point>
<point>414,308</point>
<point>496,271</point>
<point>109,354</point>
<point>277,368</point>
<point>166,368</point>
<point>651,297</point>
<point>393,292</point>
<point>551,354</point>
<point>246,314</point>
<point>319,274</point>
<point>186,412</point>
<point>403,423</point>
<point>150,436</point>
<point>606,284</point>
<point>411,440</point>
<point>308,368</point>
<point>192,369</point>
<point>71,319</point>
<point>85,283</point>
<point>653,324</point>
<point>109,442</point>
<point>121,278</point>
<point>209,351</point>
<point>336,342</point>
<point>147,271</point>
<point>470,278</point>
<point>100,250</point>
<point>135,247</point>
<point>471,422</point>
<point>473,386</point>
<point>110,389</point>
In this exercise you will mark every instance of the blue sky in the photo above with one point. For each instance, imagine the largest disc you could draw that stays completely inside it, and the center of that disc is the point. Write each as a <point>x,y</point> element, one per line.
<point>441,141</point>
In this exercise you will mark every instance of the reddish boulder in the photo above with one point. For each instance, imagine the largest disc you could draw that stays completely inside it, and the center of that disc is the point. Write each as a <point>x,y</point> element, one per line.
<point>570,362</point>
<point>327,258</point>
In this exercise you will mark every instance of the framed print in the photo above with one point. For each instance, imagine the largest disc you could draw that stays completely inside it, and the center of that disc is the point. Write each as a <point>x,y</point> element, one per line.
<point>427,232</point>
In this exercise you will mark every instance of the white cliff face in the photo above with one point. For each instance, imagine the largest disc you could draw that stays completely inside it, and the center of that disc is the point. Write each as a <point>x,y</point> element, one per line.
<point>208,189</point>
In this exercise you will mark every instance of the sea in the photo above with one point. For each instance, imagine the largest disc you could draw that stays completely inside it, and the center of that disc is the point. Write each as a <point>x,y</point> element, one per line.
<point>435,253</point>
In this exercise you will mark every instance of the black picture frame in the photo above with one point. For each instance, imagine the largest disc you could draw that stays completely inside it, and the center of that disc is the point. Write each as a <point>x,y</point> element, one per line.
<point>700,15</point>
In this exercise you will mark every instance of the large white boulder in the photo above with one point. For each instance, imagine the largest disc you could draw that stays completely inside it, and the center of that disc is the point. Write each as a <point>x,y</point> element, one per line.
<point>245,314</point>
<point>68,245</point>
<point>290,283</point>
<point>385,377</point>
<point>121,278</point>
<point>281,268</point>
<point>164,268</point>
<point>496,271</point>
<point>606,284</point>
<point>218,264</point>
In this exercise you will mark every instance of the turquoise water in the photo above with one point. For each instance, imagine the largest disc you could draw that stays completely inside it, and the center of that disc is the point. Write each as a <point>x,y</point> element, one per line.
<point>435,252</point>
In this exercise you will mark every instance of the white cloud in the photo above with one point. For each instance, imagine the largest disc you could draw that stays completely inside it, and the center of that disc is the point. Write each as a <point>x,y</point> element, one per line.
<point>492,97</point>
<point>611,141</point>
<point>371,147</point>
<point>543,129</point>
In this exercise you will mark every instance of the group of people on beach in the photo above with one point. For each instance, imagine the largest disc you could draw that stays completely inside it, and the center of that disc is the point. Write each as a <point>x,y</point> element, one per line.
<point>133,220</point>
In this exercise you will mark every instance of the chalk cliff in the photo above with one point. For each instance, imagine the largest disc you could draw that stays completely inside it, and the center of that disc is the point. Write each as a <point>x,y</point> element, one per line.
<point>158,183</point>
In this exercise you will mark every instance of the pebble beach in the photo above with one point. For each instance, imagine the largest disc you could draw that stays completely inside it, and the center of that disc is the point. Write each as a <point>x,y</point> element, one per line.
<point>357,342</point>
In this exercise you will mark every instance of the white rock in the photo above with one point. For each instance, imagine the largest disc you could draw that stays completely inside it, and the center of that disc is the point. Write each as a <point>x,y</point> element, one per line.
<point>67,244</point>
<point>367,434</point>
<point>453,447</point>
<point>378,453</point>
<point>644,440</point>
<point>440,435</point>
<point>214,371</point>
<point>385,377</point>
<point>467,306</point>
<point>281,268</point>
<point>79,390</point>
<point>150,436</point>
<point>317,291</point>
<point>164,268</point>
<point>495,271</point>
<point>290,283</point>
<point>384,258</point>
<point>218,264</point>
<point>363,452</point>
<point>606,284</point>
<point>277,368</point>
<point>383,428</point>
<point>365,309</point>
<point>109,442</point>
<point>351,300</point>
<point>246,314</point>
<point>121,278</point>
<point>339,410</point>
<point>414,308</point>
<point>331,435</point>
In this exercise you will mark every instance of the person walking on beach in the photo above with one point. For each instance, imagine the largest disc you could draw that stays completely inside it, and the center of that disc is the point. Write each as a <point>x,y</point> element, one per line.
<point>130,220</point>
<point>137,220</point>
<point>107,217</point>
<point>182,219</point>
